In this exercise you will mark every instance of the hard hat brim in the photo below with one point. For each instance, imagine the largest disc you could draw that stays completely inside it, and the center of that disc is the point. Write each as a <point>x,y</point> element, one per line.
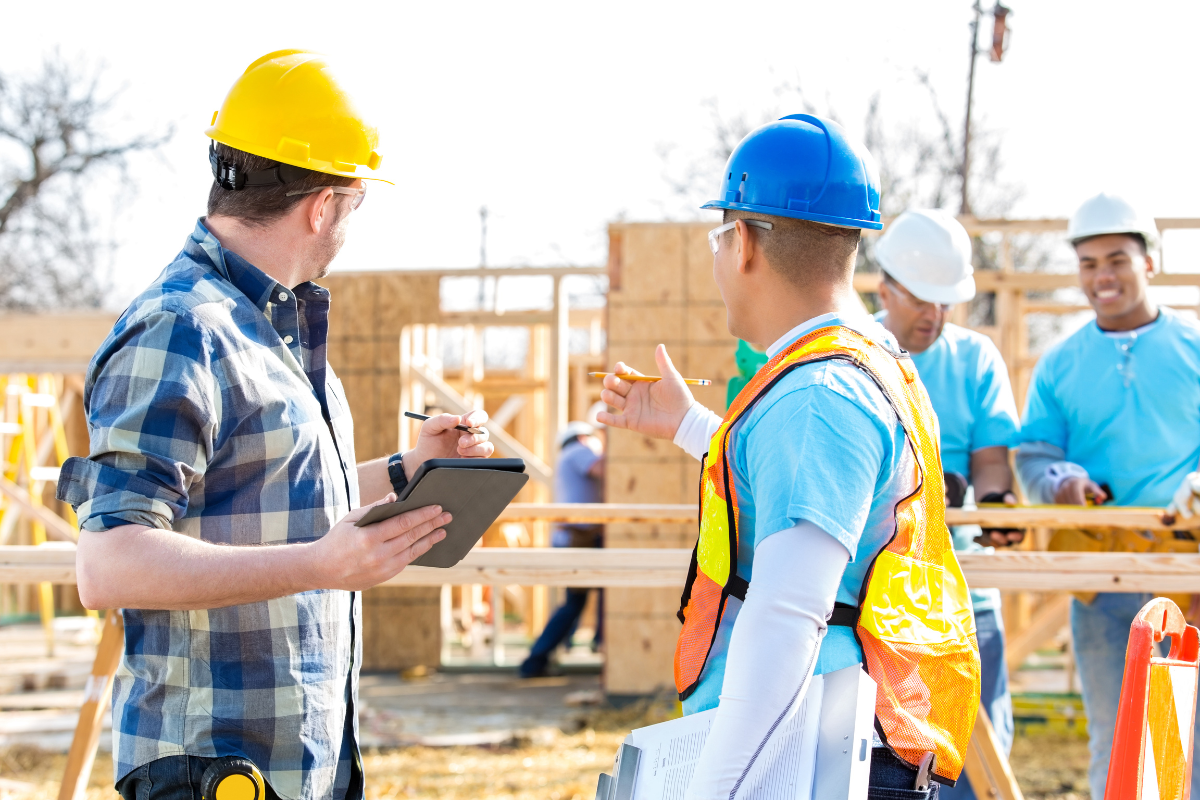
<point>960,292</point>
<point>1119,230</point>
<point>837,222</point>
<point>224,138</point>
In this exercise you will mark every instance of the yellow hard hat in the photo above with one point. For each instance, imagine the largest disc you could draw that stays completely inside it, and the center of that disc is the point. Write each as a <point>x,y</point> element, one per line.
<point>288,106</point>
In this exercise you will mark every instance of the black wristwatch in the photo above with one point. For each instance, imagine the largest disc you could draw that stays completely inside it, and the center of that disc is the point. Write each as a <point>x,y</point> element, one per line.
<point>395,468</point>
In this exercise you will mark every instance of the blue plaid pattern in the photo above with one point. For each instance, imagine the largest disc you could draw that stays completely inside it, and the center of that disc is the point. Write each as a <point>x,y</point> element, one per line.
<point>213,413</point>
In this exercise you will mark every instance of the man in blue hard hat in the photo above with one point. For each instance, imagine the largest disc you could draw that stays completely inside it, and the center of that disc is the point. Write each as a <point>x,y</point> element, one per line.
<point>925,256</point>
<point>1113,416</point>
<point>813,510</point>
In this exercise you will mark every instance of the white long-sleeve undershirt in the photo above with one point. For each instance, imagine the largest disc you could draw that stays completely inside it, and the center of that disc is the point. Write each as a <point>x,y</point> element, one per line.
<point>772,652</point>
<point>696,430</point>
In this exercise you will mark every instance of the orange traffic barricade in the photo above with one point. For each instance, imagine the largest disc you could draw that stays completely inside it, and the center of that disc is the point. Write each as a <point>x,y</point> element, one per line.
<point>1152,745</point>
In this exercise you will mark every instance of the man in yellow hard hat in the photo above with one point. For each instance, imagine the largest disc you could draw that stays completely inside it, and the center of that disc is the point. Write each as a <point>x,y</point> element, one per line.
<point>217,428</point>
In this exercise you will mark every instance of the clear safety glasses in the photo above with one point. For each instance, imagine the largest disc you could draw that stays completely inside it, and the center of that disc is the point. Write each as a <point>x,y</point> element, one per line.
<point>358,194</point>
<point>915,303</point>
<point>714,236</point>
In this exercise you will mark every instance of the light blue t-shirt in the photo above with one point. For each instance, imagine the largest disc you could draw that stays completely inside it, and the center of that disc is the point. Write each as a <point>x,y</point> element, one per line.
<point>1125,408</point>
<point>822,445</point>
<point>969,388</point>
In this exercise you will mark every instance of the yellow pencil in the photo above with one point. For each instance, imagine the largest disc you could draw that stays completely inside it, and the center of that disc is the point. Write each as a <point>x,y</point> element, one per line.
<point>651,378</point>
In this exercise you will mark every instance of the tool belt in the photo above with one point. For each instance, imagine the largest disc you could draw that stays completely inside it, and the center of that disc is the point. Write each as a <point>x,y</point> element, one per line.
<point>1125,540</point>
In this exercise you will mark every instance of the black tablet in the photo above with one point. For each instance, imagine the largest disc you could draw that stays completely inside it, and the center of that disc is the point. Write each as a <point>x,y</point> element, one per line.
<point>473,490</point>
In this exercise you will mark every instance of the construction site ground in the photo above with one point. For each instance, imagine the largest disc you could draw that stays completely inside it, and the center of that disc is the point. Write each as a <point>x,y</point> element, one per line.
<point>460,734</point>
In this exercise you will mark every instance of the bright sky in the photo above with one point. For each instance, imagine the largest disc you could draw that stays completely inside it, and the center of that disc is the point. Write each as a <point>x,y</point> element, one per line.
<point>555,115</point>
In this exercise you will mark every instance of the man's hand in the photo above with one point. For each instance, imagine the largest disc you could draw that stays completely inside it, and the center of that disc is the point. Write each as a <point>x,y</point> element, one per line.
<point>439,439</point>
<point>1000,537</point>
<point>1076,491</point>
<point>354,559</point>
<point>653,409</point>
<point>1186,502</point>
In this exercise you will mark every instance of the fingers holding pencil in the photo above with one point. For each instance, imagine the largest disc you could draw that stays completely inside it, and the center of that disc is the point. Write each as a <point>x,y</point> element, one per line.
<point>652,406</point>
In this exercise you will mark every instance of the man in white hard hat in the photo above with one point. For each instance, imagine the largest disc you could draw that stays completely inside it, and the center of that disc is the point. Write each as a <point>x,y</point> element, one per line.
<point>1113,415</point>
<point>578,478</point>
<point>926,260</point>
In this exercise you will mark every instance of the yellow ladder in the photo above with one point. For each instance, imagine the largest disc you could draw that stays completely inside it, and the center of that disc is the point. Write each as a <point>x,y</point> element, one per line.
<point>32,416</point>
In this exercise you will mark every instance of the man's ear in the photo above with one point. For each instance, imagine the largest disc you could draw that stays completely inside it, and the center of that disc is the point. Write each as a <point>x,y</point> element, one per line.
<point>320,210</point>
<point>747,247</point>
<point>1150,266</point>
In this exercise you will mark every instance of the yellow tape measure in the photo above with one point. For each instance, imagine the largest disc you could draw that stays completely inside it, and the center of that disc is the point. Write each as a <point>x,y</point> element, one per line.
<point>232,778</point>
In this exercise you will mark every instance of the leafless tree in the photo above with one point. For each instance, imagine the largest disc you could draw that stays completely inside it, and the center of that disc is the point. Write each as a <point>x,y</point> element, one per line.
<point>55,151</point>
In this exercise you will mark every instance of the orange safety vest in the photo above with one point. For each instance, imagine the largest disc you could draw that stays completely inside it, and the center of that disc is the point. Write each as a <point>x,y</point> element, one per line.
<point>914,618</point>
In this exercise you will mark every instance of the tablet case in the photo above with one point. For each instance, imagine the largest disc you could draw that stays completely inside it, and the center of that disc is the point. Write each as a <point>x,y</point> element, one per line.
<point>473,497</point>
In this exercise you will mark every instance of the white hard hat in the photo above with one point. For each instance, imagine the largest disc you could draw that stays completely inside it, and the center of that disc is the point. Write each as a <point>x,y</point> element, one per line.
<point>573,431</point>
<point>1107,213</point>
<point>929,253</point>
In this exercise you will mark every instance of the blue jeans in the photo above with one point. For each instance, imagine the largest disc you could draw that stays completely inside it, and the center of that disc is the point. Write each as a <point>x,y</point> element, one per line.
<point>1101,634</point>
<point>993,696</point>
<point>169,778</point>
<point>559,629</point>
<point>892,779</point>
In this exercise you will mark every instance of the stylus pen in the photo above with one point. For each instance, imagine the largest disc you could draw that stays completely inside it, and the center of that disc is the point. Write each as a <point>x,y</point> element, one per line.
<point>422,417</point>
<point>650,378</point>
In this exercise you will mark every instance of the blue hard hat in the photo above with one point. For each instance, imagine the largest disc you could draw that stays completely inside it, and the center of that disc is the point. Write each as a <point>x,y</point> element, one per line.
<point>803,167</point>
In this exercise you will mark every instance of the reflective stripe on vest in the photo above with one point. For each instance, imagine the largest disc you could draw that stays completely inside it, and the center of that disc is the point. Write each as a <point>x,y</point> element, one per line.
<point>915,626</point>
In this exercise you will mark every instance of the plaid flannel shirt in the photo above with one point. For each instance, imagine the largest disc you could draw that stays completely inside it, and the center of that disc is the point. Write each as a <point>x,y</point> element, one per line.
<point>213,413</point>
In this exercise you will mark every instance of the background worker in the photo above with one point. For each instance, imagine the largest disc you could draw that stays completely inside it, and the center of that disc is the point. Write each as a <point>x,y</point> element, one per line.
<point>578,478</point>
<point>1117,404</point>
<point>812,513</point>
<point>926,260</point>
<point>218,427</point>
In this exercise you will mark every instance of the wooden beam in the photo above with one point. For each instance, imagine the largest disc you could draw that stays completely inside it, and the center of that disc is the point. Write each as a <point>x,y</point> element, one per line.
<point>96,706</point>
<point>578,317</point>
<point>505,443</point>
<point>1048,620</point>
<point>599,512</point>
<point>56,525</point>
<point>559,372</point>
<point>991,281</point>
<point>987,768</point>
<point>482,272</point>
<point>57,343</point>
<point>1019,517</point>
<point>667,567</point>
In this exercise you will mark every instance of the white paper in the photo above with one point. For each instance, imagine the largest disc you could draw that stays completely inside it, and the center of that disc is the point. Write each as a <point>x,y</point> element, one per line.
<point>784,770</point>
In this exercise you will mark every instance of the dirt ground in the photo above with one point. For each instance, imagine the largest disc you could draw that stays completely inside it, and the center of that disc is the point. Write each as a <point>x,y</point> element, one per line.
<point>549,765</point>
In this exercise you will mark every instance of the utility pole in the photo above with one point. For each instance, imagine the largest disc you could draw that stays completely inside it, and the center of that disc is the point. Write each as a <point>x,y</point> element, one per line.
<point>483,253</point>
<point>1000,32</point>
<point>965,206</point>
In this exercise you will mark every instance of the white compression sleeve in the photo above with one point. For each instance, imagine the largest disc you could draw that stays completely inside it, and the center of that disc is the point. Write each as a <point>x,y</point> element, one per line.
<point>696,430</point>
<point>772,652</point>
<point>1042,468</point>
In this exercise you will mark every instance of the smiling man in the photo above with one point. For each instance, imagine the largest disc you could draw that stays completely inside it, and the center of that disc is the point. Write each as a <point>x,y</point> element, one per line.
<point>1113,414</point>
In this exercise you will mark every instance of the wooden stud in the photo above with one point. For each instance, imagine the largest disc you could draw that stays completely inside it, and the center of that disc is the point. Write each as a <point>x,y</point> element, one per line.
<point>987,767</point>
<point>96,696</point>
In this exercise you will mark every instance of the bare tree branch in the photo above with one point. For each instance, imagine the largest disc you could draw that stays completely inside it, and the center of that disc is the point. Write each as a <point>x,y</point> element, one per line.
<point>54,131</point>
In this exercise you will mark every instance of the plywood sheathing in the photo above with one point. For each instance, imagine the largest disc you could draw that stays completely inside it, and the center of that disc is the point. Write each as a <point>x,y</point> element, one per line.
<point>661,292</point>
<point>401,625</point>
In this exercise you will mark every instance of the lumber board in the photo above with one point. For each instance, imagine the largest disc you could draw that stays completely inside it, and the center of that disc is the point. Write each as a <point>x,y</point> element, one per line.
<point>1047,621</point>
<point>95,707</point>
<point>1017,517</point>
<point>666,567</point>
<point>476,272</point>
<point>987,768</point>
<point>57,343</point>
<point>55,525</point>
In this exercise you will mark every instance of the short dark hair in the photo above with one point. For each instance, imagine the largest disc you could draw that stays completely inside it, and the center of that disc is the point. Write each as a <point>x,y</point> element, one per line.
<point>1137,237</point>
<point>262,205</point>
<point>804,251</point>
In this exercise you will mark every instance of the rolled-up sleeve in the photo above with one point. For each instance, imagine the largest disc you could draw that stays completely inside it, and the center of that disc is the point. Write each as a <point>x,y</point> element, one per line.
<point>152,409</point>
